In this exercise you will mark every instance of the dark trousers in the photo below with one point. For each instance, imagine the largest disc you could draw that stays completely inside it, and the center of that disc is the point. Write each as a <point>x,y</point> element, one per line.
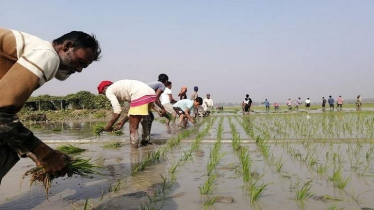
<point>15,140</point>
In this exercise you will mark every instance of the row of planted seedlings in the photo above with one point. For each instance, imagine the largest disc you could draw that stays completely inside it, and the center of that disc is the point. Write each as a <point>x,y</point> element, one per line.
<point>155,155</point>
<point>328,168</point>
<point>207,189</point>
<point>170,177</point>
<point>299,187</point>
<point>335,125</point>
<point>254,185</point>
<point>327,161</point>
<point>151,158</point>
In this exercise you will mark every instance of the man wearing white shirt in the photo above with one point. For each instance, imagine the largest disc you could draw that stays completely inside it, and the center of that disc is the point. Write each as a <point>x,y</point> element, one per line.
<point>307,104</point>
<point>166,101</point>
<point>207,103</point>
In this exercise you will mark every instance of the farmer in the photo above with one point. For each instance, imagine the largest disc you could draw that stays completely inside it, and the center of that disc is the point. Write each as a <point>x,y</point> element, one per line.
<point>183,93</point>
<point>289,104</point>
<point>194,95</point>
<point>167,101</point>
<point>141,98</point>
<point>246,104</point>
<point>331,103</point>
<point>307,104</point>
<point>323,103</point>
<point>183,109</point>
<point>159,88</point>
<point>207,104</point>
<point>339,103</point>
<point>298,103</point>
<point>267,105</point>
<point>276,106</point>
<point>26,63</point>
<point>358,103</point>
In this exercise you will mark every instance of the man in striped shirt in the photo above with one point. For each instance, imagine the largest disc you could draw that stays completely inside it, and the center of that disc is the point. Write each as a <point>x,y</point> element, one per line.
<point>26,63</point>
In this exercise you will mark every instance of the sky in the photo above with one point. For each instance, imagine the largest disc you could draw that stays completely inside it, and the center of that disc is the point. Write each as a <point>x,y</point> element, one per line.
<point>274,49</point>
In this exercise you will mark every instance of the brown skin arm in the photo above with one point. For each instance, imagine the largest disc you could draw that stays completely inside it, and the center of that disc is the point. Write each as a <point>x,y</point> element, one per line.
<point>17,85</point>
<point>109,125</point>
<point>187,112</point>
<point>121,123</point>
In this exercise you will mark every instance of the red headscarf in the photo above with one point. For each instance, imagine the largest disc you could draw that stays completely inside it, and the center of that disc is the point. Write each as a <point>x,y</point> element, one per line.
<point>102,85</point>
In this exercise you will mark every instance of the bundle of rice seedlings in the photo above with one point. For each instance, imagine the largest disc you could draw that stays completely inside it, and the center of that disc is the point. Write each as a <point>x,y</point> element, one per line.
<point>98,129</point>
<point>78,165</point>
<point>117,132</point>
<point>113,145</point>
<point>70,149</point>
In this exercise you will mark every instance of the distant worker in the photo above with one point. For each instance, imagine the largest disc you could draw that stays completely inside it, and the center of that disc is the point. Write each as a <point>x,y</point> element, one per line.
<point>276,106</point>
<point>207,104</point>
<point>194,95</point>
<point>323,104</point>
<point>267,105</point>
<point>307,104</point>
<point>358,103</point>
<point>183,93</point>
<point>339,103</point>
<point>298,103</point>
<point>289,104</point>
<point>246,104</point>
<point>331,103</point>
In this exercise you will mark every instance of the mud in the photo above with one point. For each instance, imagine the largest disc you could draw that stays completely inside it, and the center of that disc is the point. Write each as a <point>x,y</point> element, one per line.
<point>114,187</point>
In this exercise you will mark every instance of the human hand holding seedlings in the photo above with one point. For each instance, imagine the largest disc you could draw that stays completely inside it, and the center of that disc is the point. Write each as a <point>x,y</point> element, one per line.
<point>121,123</point>
<point>52,161</point>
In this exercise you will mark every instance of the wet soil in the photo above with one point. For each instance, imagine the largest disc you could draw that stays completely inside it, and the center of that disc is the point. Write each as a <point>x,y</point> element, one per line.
<point>114,187</point>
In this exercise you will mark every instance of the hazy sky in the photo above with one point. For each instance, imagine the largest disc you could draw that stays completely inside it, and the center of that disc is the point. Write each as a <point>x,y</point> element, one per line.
<point>269,49</point>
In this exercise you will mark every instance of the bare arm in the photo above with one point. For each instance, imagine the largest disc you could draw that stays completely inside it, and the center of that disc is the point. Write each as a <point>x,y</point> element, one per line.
<point>187,112</point>
<point>109,125</point>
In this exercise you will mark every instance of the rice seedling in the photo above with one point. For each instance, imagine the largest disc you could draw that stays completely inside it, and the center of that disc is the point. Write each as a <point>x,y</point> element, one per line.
<point>152,157</point>
<point>78,165</point>
<point>70,149</point>
<point>112,145</point>
<point>279,164</point>
<point>245,164</point>
<point>56,129</point>
<point>220,129</point>
<point>320,168</point>
<point>86,204</point>
<point>166,184</point>
<point>116,187</point>
<point>255,190</point>
<point>209,202</point>
<point>207,188</point>
<point>335,208</point>
<point>338,179</point>
<point>98,129</point>
<point>304,193</point>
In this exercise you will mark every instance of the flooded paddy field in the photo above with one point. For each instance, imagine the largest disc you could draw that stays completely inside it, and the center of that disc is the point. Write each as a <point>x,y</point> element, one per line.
<point>262,161</point>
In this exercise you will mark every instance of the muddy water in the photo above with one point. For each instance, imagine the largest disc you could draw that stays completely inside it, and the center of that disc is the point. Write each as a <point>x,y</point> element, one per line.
<point>115,188</point>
